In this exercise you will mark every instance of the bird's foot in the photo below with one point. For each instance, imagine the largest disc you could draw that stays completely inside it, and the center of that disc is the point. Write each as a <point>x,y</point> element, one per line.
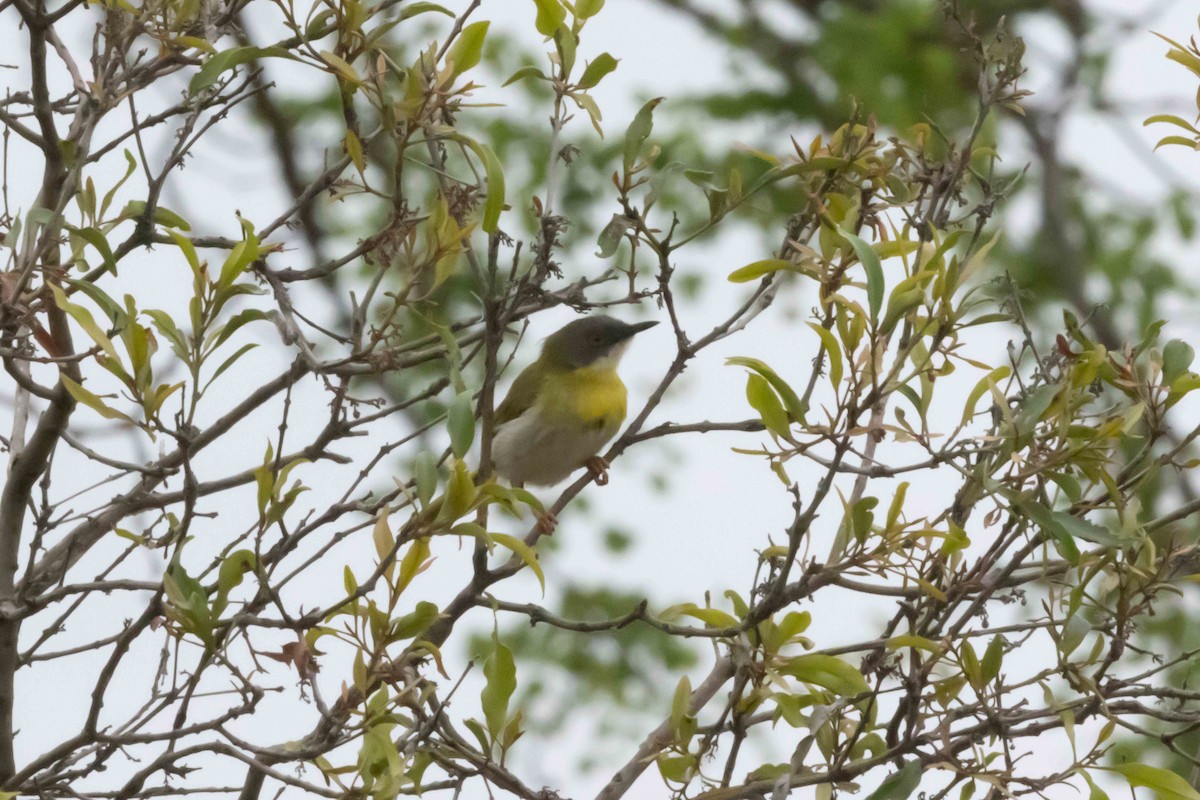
<point>598,467</point>
<point>546,522</point>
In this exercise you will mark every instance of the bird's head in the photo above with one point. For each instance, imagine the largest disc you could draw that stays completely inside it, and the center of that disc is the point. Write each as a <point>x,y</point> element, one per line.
<point>591,342</point>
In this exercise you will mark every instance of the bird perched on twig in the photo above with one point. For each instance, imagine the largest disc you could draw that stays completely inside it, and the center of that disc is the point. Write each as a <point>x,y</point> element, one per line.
<point>565,406</point>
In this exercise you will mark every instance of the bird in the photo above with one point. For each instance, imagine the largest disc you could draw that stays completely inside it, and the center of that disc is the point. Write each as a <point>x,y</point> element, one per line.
<point>566,405</point>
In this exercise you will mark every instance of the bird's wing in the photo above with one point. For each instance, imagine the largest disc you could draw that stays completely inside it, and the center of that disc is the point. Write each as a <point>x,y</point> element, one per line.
<point>521,396</point>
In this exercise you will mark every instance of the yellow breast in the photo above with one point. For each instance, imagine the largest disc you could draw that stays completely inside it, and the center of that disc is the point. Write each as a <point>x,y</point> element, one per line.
<point>591,397</point>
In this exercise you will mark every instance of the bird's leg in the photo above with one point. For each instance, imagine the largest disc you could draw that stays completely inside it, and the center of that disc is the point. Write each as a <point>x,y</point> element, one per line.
<point>546,522</point>
<point>598,467</point>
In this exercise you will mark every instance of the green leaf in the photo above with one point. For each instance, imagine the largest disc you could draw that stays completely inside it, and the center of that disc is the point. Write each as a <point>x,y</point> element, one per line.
<point>229,362</point>
<point>1034,407</point>
<point>596,70</point>
<point>501,673</point>
<point>832,350</point>
<point>588,104</point>
<point>495,182</point>
<point>613,234</point>
<point>676,769</point>
<point>229,577</point>
<point>168,218</point>
<point>1088,531</point>
<point>757,269</point>
<point>828,671</point>
<point>522,551</point>
<point>84,317</point>
<point>425,474</point>
<point>585,9</point>
<point>240,258</point>
<point>791,401</point>
<point>166,327</point>
<point>567,44</point>
<point>896,247</point>
<point>354,149</point>
<point>1177,356</point>
<point>1170,119</point>
<point>461,421</point>
<point>480,734</point>
<point>550,14</point>
<point>410,565</point>
<point>467,48</point>
<point>993,658</point>
<point>970,665</point>
<point>897,505</point>
<point>915,642</point>
<point>1096,792</point>
<point>523,73</point>
<point>680,706</point>
<point>899,304</point>
<point>1164,783</point>
<point>383,537</point>
<point>243,317</point>
<point>711,617</point>
<point>90,400</point>
<point>97,240</point>
<point>413,623</point>
<point>229,59</point>
<point>1050,524</point>
<point>412,9</point>
<point>341,66</point>
<point>900,784</point>
<point>460,493</point>
<point>235,565</point>
<point>999,373</point>
<point>870,261</point>
<point>1178,140</point>
<point>762,398</point>
<point>638,131</point>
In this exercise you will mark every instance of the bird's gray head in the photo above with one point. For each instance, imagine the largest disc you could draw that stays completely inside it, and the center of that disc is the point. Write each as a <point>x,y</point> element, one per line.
<point>587,341</point>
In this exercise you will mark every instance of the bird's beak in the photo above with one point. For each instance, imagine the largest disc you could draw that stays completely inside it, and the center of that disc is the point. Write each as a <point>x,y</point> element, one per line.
<point>641,326</point>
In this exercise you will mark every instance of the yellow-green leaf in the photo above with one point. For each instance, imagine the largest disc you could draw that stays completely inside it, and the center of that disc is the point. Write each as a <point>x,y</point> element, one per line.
<point>90,400</point>
<point>762,398</point>
<point>522,551</point>
<point>999,373</point>
<point>828,671</point>
<point>597,69</point>
<point>355,151</point>
<point>550,14</point>
<point>873,268</point>
<point>638,131</point>
<point>1164,783</point>
<point>468,48</point>
<point>791,401</point>
<point>382,536</point>
<point>758,269</point>
<point>341,66</point>
<point>833,351</point>
<point>587,8</point>
<point>86,321</point>
<point>501,672</point>
<point>495,183</point>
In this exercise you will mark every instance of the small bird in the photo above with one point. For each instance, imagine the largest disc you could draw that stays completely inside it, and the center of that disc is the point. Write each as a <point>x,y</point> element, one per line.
<point>564,407</point>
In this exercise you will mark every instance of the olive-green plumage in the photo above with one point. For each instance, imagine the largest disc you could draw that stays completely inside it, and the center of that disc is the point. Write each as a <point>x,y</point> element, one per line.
<point>564,407</point>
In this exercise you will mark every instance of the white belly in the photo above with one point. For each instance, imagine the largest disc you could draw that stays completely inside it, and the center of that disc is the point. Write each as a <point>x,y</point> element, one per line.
<point>531,450</point>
